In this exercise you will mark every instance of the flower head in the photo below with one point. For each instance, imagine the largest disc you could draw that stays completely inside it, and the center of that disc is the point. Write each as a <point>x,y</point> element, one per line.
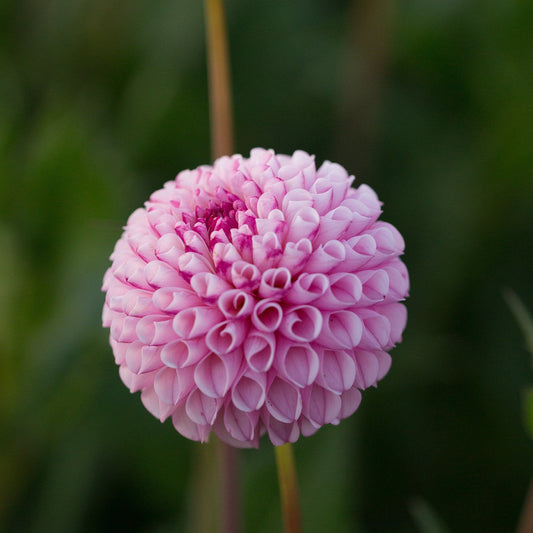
<point>257,295</point>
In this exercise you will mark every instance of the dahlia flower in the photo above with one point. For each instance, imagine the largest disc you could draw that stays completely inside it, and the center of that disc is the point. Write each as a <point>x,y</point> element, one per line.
<point>257,295</point>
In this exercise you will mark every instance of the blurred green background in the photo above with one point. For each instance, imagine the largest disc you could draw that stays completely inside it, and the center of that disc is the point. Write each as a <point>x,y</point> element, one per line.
<point>428,101</point>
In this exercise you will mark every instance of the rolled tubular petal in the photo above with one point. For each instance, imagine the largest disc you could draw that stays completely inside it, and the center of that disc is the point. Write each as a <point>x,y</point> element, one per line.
<point>280,432</point>
<point>267,315</point>
<point>295,255</point>
<point>284,401</point>
<point>375,287</point>
<point>182,352</point>
<point>195,321</point>
<point>274,282</point>
<point>159,274</point>
<point>337,371</point>
<point>297,363</point>
<point>172,299</point>
<point>249,391</point>
<point>140,358</point>
<point>241,425</point>
<point>202,409</point>
<point>245,275</point>
<point>340,330</point>
<point>307,288</point>
<point>171,386</point>
<point>326,257</point>
<point>236,303</point>
<point>321,405</point>
<point>302,323</point>
<point>367,368</point>
<point>186,427</point>
<point>376,330</point>
<point>214,375</point>
<point>260,350</point>
<point>226,336</point>
<point>344,290</point>
<point>209,286</point>
<point>155,330</point>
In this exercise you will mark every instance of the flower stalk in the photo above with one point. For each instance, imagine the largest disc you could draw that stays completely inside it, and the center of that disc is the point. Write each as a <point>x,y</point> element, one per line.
<point>219,79</point>
<point>288,484</point>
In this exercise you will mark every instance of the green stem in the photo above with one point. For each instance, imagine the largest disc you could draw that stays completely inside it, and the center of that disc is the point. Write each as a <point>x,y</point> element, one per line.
<point>219,79</point>
<point>288,484</point>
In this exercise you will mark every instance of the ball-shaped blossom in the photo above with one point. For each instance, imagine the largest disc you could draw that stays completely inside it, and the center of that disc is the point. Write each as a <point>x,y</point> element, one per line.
<point>257,295</point>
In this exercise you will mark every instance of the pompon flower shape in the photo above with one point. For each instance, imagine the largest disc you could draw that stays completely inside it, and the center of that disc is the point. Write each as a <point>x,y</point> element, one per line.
<point>257,295</point>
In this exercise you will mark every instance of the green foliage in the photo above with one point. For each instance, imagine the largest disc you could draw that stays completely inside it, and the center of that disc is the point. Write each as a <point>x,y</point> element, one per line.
<point>102,102</point>
<point>426,518</point>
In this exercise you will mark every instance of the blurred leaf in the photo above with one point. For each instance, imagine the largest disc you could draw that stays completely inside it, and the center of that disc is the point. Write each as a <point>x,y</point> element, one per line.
<point>522,316</point>
<point>425,517</point>
<point>528,410</point>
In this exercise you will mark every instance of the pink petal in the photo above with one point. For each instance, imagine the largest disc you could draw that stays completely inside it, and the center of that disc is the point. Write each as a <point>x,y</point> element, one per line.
<point>155,330</point>
<point>326,257</point>
<point>344,291</point>
<point>266,203</point>
<point>181,353</point>
<point>302,323</point>
<point>166,386</point>
<point>337,371</point>
<point>266,250</point>
<point>245,275</point>
<point>284,401</point>
<point>297,363</point>
<point>396,315</point>
<point>137,302</point>
<point>236,303</point>
<point>367,368</point>
<point>267,315</point>
<point>358,252</point>
<point>295,200</point>
<point>398,280</point>
<point>376,330</point>
<point>333,225</point>
<point>351,400</point>
<point>154,405</point>
<point>191,263</point>
<point>307,288</point>
<point>169,248</point>
<point>249,391</point>
<point>123,328</point>
<point>186,427</point>
<point>274,282</point>
<point>159,274</point>
<point>296,254</point>
<point>214,375</point>
<point>140,358</point>
<point>239,424</point>
<point>280,433</point>
<point>172,300</point>
<point>226,336</point>
<point>340,330</point>
<point>303,225</point>
<point>321,406</point>
<point>196,321</point>
<point>135,382</point>
<point>384,362</point>
<point>202,409</point>
<point>208,286</point>
<point>375,286</point>
<point>259,350</point>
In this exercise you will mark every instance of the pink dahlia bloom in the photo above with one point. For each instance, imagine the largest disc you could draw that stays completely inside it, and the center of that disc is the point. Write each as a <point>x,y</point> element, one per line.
<point>257,295</point>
